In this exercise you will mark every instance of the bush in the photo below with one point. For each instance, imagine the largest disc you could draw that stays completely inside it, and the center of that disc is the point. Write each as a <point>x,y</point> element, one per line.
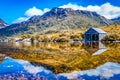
<point>61,39</point>
<point>62,35</point>
<point>111,37</point>
<point>74,36</point>
<point>51,31</point>
<point>77,37</point>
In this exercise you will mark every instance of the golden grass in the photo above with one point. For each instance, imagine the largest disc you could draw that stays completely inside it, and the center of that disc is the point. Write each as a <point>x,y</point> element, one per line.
<point>76,34</point>
<point>112,29</point>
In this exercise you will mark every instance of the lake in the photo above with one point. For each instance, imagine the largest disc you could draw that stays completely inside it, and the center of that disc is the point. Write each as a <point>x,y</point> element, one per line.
<point>60,61</point>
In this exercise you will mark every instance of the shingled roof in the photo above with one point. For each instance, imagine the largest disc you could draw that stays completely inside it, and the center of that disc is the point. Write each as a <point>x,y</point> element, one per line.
<point>98,30</point>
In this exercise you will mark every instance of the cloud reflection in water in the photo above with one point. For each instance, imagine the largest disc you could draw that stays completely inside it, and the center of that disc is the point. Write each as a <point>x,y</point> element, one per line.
<point>24,69</point>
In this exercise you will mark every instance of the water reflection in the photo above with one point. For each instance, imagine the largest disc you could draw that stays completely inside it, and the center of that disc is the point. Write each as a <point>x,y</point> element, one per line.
<point>95,48</point>
<point>108,71</point>
<point>17,69</point>
<point>2,57</point>
<point>97,44</point>
<point>62,57</point>
<point>63,47</point>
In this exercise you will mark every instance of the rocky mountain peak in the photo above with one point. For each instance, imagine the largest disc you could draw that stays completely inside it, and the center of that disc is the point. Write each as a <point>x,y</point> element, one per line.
<point>57,19</point>
<point>62,13</point>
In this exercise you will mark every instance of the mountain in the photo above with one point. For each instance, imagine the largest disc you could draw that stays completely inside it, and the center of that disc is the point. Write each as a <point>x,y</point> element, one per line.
<point>55,20</point>
<point>116,20</point>
<point>2,24</point>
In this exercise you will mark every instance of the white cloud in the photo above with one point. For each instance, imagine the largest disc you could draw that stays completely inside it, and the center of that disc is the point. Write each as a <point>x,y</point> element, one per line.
<point>73,6</point>
<point>35,11</point>
<point>31,12</point>
<point>21,19</point>
<point>107,10</point>
<point>46,10</point>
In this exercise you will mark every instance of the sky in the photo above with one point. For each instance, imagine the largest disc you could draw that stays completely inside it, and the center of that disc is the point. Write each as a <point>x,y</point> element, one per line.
<point>13,11</point>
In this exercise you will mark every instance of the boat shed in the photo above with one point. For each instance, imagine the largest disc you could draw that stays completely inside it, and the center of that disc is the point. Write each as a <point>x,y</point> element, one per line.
<point>94,34</point>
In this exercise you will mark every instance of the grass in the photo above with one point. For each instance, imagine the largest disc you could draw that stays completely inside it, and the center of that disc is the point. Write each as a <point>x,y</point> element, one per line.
<point>53,37</point>
<point>113,34</point>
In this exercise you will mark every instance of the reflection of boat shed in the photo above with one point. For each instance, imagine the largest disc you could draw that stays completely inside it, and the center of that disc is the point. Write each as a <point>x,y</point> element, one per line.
<point>94,34</point>
<point>95,48</point>
<point>3,39</point>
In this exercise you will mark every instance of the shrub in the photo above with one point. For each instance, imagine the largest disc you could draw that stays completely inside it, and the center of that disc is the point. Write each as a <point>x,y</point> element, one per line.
<point>74,36</point>
<point>62,35</point>
<point>61,39</point>
<point>111,37</point>
<point>77,37</point>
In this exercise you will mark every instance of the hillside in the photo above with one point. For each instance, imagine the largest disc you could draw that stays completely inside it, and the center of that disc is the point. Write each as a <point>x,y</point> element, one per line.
<point>116,20</point>
<point>55,20</point>
<point>112,29</point>
<point>113,34</point>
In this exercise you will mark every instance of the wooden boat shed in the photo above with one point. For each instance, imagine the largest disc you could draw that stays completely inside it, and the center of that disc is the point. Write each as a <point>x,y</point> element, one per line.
<point>94,34</point>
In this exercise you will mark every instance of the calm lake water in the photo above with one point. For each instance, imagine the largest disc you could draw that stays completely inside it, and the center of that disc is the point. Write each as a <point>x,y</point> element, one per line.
<point>59,61</point>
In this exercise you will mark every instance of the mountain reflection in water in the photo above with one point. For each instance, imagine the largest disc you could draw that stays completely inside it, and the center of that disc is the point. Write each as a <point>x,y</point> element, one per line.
<point>60,61</point>
<point>20,69</point>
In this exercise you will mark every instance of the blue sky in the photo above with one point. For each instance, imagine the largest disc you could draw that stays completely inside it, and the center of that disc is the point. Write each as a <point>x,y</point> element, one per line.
<point>13,10</point>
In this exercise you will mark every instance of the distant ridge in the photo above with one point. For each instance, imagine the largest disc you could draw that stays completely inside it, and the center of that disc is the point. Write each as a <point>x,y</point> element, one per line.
<point>116,20</point>
<point>56,19</point>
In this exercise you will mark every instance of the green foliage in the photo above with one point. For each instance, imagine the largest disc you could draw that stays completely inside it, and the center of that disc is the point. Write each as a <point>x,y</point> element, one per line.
<point>26,36</point>
<point>62,35</point>
<point>61,39</point>
<point>111,37</point>
<point>51,31</point>
<point>74,36</point>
